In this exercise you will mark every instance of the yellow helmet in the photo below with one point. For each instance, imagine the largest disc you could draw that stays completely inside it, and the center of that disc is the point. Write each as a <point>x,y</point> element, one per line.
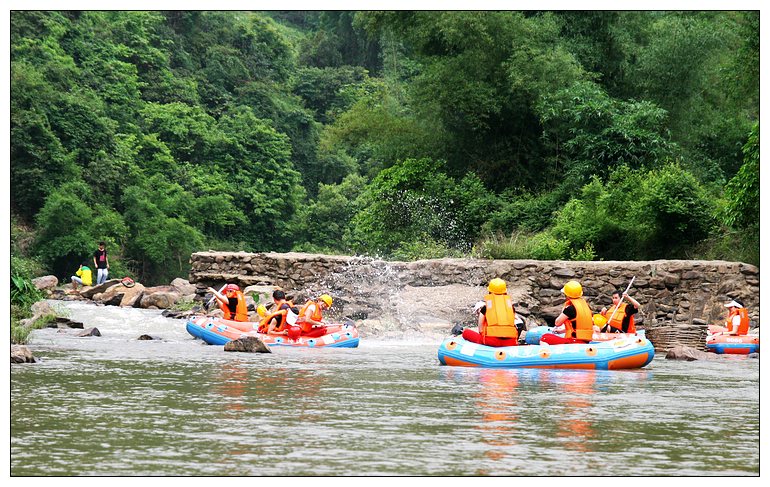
<point>599,320</point>
<point>326,299</point>
<point>572,289</point>
<point>261,310</point>
<point>497,286</point>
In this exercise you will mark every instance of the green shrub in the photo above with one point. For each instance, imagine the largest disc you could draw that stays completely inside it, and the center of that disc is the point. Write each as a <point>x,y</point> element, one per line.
<point>728,244</point>
<point>586,253</point>
<point>425,248</point>
<point>522,245</point>
<point>545,246</point>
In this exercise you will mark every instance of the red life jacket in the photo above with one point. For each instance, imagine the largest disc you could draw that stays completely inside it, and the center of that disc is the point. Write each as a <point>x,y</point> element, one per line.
<point>617,320</point>
<point>241,311</point>
<point>743,327</point>
<point>316,316</point>
<point>582,327</point>
<point>500,317</point>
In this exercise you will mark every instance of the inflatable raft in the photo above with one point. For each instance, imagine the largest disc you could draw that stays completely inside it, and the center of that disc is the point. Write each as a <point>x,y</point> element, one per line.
<point>217,331</point>
<point>532,337</point>
<point>620,353</point>
<point>718,342</point>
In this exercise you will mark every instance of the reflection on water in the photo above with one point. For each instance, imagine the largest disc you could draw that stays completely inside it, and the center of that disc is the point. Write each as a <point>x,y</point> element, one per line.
<point>576,426</point>
<point>114,405</point>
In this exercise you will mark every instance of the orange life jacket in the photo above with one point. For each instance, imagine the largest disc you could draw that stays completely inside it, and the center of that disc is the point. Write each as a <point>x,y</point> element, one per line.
<point>582,327</point>
<point>282,325</point>
<point>743,327</point>
<point>241,311</point>
<point>617,320</point>
<point>500,318</point>
<point>316,316</point>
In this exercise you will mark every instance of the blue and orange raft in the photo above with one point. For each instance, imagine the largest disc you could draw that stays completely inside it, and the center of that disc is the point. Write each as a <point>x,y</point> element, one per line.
<point>218,331</point>
<point>630,352</point>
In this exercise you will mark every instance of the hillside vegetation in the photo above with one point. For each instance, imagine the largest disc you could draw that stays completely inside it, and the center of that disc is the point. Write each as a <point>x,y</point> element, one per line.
<point>549,135</point>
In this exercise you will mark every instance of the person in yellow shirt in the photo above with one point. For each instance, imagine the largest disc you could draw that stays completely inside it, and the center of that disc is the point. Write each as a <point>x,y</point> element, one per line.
<point>83,276</point>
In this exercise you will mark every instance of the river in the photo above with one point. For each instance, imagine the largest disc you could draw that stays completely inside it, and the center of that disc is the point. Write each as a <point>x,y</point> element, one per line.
<point>117,406</point>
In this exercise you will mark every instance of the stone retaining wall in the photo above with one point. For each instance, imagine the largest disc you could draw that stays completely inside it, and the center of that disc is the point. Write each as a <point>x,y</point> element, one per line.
<point>676,295</point>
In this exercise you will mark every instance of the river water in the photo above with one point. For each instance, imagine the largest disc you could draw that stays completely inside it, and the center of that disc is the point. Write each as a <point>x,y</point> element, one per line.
<point>117,406</point>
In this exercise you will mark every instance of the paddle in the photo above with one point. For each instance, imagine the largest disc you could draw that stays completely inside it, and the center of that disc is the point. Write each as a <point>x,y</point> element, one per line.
<point>214,297</point>
<point>621,300</point>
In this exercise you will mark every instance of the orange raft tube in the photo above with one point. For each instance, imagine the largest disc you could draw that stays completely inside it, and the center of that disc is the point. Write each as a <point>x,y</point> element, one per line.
<point>218,331</point>
<point>718,342</point>
<point>621,353</point>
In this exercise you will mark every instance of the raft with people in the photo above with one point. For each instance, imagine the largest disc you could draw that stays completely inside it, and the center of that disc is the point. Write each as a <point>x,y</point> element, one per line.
<point>734,337</point>
<point>718,341</point>
<point>619,353</point>
<point>496,343</point>
<point>218,331</point>
<point>286,325</point>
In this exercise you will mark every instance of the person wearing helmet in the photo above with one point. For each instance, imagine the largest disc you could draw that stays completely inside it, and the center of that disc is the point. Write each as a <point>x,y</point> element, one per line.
<point>496,318</point>
<point>622,319</point>
<point>311,316</point>
<point>232,302</point>
<point>576,317</point>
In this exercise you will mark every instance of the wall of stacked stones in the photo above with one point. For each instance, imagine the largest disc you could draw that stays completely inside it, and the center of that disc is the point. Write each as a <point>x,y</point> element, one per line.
<point>679,297</point>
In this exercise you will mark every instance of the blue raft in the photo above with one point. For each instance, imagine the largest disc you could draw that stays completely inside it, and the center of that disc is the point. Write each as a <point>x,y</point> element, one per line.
<point>532,337</point>
<point>621,353</point>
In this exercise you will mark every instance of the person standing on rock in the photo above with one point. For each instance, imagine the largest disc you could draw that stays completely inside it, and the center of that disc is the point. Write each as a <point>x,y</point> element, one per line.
<point>101,263</point>
<point>83,276</point>
<point>621,313</point>
<point>576,317</point>
<point>232,302</point>
<point>496,318</point>
<point>311,316</point>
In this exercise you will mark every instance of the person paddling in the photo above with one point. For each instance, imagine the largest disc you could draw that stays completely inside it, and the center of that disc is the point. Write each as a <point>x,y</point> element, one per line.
<point>232,302</point>
<point>621,315</point>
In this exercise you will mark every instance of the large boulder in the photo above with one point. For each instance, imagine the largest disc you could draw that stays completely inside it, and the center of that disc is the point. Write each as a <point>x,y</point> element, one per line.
<point>41,308</point>
<point>160,297</point>
<point>683,352</point>
<point>46,283</point>
<point>247,344</point>
<point>20,354</point>
<point>38,309</point>
<point>120,295</point>
<point>183,286</point>
<point>89,292</point>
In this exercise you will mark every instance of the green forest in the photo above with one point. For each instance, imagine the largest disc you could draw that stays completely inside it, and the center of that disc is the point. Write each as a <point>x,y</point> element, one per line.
<point>403,135</point>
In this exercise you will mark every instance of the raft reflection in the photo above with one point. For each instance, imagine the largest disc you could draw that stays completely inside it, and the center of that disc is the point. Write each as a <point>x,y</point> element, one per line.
<point>496,403</point>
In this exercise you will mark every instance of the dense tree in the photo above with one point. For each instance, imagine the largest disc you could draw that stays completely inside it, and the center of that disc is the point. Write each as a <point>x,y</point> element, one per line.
<point>407,134</point>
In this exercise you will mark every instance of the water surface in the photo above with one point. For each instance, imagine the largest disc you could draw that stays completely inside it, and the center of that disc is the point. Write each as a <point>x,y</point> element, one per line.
<point>115,405</point>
